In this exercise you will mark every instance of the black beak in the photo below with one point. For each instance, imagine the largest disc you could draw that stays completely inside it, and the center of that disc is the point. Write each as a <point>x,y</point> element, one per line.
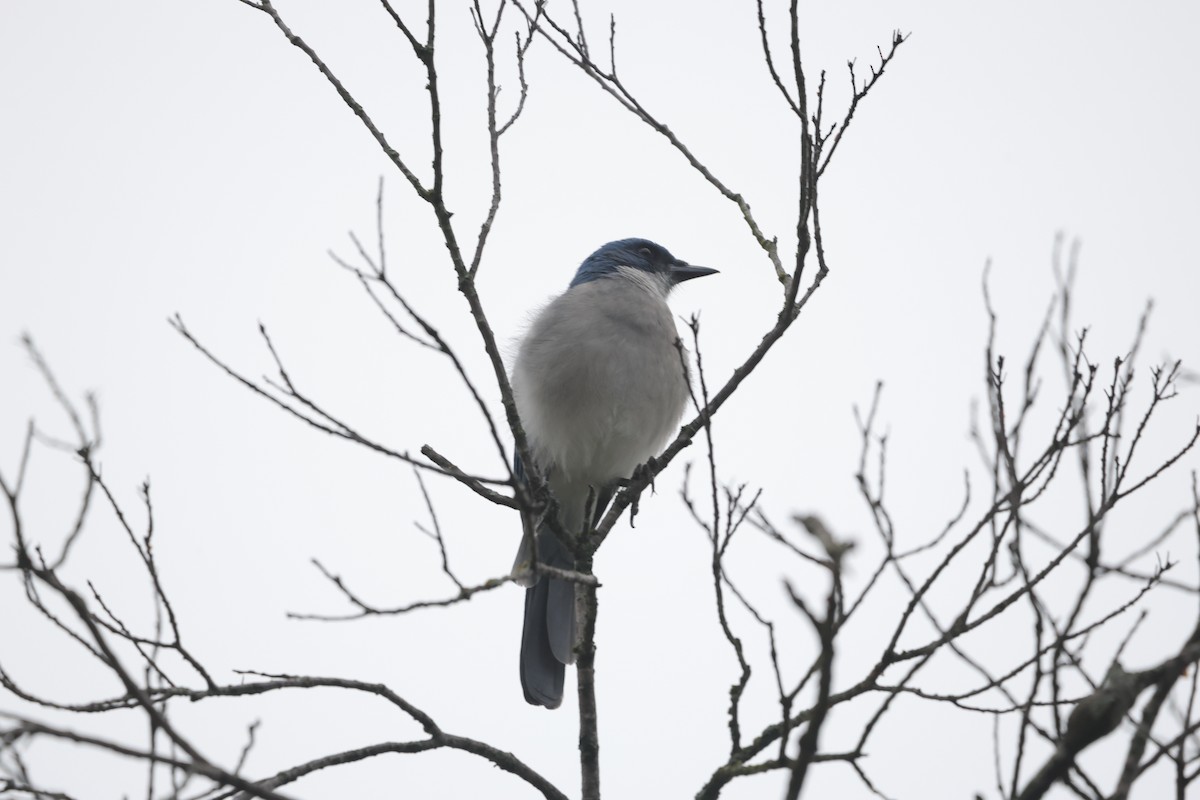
<point>682,271</point>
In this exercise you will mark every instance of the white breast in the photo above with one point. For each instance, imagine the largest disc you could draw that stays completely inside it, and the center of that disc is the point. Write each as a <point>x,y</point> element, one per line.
<point>599,381</point>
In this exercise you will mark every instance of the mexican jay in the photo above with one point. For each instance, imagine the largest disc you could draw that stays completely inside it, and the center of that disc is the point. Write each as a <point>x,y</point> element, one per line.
<point>600,385</point>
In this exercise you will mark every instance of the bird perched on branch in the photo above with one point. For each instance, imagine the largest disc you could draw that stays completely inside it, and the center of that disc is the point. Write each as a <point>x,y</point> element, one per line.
<point>600,384</point>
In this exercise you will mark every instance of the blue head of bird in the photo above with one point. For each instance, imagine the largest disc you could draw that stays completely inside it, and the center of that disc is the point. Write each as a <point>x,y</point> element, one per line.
<point>640,260</point>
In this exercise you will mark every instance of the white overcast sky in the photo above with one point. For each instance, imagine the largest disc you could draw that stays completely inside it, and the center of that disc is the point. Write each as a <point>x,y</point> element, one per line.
<point>181,157</point>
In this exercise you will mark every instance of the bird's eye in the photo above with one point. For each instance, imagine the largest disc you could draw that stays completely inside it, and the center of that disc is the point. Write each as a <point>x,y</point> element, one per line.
<point>645,251</point>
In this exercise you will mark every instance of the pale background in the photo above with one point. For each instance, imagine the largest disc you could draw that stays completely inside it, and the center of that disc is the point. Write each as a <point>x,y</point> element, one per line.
<point>181,157</point>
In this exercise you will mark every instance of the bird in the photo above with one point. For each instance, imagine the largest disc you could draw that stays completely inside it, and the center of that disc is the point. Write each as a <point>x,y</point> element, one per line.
<point>600,382</point>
